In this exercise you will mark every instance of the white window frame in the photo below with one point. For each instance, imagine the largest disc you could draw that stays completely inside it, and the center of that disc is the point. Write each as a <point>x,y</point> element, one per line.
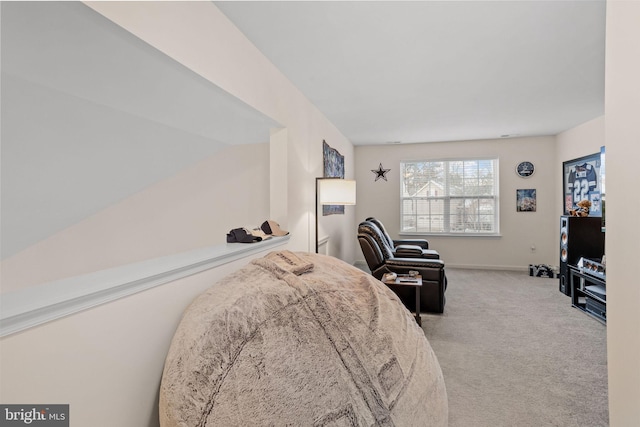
<point>470,228</point>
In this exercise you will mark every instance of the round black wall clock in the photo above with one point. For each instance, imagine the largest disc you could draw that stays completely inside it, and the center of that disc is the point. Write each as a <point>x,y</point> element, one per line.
<point>525,169</point>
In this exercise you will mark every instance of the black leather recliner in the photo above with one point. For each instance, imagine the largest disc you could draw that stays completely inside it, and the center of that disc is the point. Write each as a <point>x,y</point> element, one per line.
<point>381,259</point>
<point>405,248</point>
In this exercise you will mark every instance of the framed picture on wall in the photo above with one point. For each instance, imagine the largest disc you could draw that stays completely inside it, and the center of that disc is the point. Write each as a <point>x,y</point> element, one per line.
<point>582,181</point>
<point>526,200</point>
<point>333,167</point>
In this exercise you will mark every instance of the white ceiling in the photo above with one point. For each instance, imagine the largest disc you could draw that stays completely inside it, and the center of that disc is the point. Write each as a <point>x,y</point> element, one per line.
<point>424,71</point>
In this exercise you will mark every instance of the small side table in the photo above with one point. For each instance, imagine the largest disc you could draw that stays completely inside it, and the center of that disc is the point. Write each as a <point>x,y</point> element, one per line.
<point>406,280</point>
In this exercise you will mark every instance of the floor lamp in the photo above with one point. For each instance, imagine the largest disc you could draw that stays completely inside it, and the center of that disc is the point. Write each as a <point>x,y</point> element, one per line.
<point>334,191</point>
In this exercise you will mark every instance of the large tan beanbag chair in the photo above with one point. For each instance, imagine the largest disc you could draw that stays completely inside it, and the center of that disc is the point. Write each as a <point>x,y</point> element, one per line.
<point>296,339</point>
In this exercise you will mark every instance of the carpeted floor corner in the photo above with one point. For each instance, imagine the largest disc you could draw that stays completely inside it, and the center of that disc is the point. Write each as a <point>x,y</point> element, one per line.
<point>515,353</point>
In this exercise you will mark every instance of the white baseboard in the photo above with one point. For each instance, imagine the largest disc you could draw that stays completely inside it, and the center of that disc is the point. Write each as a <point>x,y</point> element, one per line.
<point>489,267</point>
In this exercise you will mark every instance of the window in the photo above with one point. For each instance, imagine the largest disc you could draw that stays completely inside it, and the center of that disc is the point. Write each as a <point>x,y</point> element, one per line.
<point>450,196</point>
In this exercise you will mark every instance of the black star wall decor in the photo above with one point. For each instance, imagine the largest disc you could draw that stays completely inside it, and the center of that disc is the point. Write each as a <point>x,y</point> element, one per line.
<point>380,172</point>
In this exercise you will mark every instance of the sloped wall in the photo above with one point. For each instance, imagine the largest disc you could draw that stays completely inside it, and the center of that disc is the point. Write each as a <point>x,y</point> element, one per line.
<point>106,362</point>
<point>192,209</point>
<point>113,152</point>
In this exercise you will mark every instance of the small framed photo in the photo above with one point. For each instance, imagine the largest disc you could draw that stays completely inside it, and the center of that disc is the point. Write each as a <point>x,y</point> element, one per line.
<point>526,200</point>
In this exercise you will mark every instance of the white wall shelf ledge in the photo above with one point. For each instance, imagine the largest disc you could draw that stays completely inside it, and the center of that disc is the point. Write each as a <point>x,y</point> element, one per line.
<point>35,305</point>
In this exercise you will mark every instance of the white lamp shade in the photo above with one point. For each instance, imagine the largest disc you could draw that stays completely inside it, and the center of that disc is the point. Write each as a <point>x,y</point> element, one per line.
<point>336,191</point>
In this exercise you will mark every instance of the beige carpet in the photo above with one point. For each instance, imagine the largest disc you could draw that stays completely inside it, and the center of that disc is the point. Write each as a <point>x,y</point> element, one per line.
<point>515,353</point>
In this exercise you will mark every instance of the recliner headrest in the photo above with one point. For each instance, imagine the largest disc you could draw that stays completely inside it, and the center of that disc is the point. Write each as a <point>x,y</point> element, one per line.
<point>370,229</point>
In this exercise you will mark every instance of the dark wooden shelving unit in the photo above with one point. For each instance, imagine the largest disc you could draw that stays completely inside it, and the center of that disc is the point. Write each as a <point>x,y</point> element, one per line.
<point>588,293</point>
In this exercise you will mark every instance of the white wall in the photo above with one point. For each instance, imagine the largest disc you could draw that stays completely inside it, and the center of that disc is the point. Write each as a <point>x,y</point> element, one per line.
<point>92,115</point>
<point>111,356</point>
<point>113,152</point>
<point>235,65</point>
<point>106,362</point>
<point>579,141</point>
<point>519,230</point>
<point>622,109</point>
<point>192,209</point>
<point>582,140</point>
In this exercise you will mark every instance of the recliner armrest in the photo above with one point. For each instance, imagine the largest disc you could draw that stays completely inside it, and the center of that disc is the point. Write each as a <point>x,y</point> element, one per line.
<point>424,244</point>
<point>412,251</point>
<point>414,263</point>
<point>409,250</point>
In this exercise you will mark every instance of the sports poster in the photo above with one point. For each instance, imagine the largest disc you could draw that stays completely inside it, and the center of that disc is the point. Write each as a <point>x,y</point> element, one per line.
<point>582,181</point>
